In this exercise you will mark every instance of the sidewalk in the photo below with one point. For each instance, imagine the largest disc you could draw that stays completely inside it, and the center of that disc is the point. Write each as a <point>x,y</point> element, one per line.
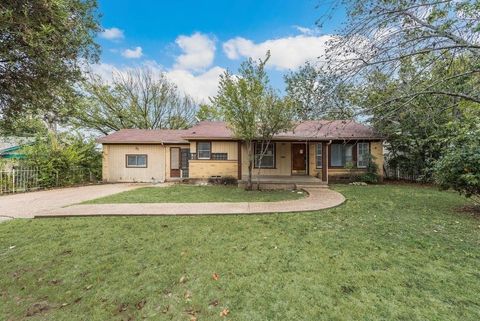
<point>319,198</point>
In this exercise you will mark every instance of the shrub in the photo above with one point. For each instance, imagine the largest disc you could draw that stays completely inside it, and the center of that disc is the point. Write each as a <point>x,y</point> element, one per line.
<point>459,169</point>
<point>63,159</point>
<point>224,180</point>
<point>371,176</point>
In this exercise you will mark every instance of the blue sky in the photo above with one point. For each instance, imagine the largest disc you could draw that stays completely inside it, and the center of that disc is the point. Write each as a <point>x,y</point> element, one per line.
<point>194,41</point>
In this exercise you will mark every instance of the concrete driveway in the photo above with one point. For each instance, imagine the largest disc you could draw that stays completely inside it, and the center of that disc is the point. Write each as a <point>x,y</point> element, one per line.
<point>28,205</point>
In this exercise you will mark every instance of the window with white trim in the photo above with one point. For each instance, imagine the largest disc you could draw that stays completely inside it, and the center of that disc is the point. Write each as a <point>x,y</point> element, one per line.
<point>319,155</point>
<point>363,155</point>
<point>137,161</point>
<point>268,159</point>
<point>204,150</point>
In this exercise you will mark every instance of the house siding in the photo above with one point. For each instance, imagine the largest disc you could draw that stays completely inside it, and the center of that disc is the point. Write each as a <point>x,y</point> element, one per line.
<point>114,167</point>
<point>283,161</point>
<point>209,168</point>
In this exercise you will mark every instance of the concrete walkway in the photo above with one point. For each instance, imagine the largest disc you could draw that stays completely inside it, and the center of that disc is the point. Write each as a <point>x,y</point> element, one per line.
<point>28,205</point>
<point>319,198</point>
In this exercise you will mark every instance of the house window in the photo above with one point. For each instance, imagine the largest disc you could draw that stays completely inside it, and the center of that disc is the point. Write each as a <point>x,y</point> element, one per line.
<point>341,154</point>
<point>220,156</point>
<point>362,155</point>
<point>319,155</point>
<point>137,161</point>
<point>268,159</point>
<point>204,150</point>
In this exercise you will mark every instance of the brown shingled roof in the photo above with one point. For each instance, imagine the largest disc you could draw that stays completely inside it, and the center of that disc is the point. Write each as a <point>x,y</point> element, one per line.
<point>145,136</point>
<point>217,130</point>
<point>307,130</point>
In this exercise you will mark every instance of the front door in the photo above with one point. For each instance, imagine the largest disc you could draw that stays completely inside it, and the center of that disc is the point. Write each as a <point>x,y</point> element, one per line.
<point>299,158</point>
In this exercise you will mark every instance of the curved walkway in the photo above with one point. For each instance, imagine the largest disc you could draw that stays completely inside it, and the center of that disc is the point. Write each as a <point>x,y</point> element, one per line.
<point>319,198</point>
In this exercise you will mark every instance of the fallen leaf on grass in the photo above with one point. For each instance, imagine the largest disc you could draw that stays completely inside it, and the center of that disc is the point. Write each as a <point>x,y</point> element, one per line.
<point>187,295</point>
<point>215,276</point>
<point>214,303</point>
<point>88,287</point>
<point>141,304</point>
<point>224,312</point>
<point>122,307</point>
<point>183,279</point>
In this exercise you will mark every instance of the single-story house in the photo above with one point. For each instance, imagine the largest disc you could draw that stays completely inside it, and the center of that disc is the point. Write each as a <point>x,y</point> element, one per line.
<point>327,150</point>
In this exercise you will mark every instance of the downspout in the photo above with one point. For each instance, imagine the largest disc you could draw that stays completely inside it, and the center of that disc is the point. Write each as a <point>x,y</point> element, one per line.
<point>327,162</point>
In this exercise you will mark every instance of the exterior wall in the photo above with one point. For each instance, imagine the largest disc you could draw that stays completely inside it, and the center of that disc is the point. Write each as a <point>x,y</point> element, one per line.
<point>312,161</point>
<point>208,168</point>
<point>229,147</point>
<point>114,167</point>
<point>283,161</point>
<point>376,150</point>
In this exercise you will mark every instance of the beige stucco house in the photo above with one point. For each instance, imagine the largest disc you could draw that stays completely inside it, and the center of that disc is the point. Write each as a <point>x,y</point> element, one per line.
<point>327,150</point>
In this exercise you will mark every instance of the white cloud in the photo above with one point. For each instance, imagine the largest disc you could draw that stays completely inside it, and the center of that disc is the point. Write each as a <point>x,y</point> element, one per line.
<point>133,53</point>
<point>112,34</point>
<point>198,52</point>
<point>199,86</point>
<point>305,30</point>
<point>286,53</point>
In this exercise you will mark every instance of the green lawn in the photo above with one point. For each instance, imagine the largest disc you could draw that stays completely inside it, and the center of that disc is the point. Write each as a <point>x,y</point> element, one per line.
<point>193,194</point>
<point>389,253</point>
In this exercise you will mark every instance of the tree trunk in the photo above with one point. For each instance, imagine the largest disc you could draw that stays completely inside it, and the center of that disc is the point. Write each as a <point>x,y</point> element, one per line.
<point>250,170</point>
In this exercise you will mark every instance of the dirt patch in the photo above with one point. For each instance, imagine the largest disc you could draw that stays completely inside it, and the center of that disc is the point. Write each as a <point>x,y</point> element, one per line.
<point>37,308</point>
<point>472,210</point>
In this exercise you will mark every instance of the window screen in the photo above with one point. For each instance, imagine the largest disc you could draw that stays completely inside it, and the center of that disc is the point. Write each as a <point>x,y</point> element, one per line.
<point>341,154</point>
<point>319,155</point>
<point>362,155</point>
<point>136,160</point>
<point>268,159</point>
<point>204,150</point>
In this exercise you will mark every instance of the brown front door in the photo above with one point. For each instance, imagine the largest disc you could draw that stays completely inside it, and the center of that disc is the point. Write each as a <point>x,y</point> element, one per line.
<point>174,162</point>
<point>299,157</point>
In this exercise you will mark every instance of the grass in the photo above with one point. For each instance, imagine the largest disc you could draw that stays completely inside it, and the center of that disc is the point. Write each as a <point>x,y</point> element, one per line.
<point>193,194</point>
<point>388,253</point>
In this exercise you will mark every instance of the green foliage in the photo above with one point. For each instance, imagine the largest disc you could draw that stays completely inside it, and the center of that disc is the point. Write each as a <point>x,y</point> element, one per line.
<point>371,175</point>
<point>208,112</point>
<point>251,107</point>
<point>318,95</point>
<point>43,44</point>
<point>63,160</point>
<point>459,167</point>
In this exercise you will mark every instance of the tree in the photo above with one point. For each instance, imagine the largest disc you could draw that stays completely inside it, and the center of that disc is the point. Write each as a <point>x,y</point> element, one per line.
<point>208,112</point>
<point>380,34</point>
<point>44,44</point>
<point>459,167</point>
<point>138,98</point>
<point>415,126</point>
<point>317,95</point>
<point>252,108</point>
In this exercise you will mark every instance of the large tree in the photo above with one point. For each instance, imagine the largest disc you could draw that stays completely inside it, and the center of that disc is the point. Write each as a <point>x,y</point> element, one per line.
<point>380,34</point>
<point>43,45</point>
<point>252,108</point>
<point>136,98</point>
<point>318,95</point>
